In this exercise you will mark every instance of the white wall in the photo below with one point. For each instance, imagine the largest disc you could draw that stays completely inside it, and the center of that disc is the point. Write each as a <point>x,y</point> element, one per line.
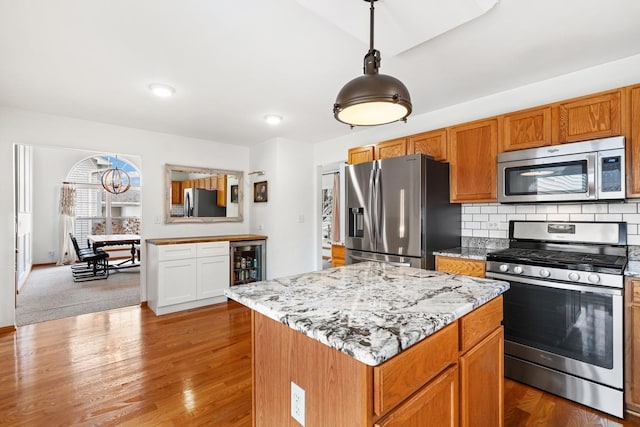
<point>154,149</point>
<point>288,217</point>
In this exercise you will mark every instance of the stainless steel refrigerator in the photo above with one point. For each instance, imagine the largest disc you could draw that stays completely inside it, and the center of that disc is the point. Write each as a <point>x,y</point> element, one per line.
<point>398,211</point>
<point>199,202</point>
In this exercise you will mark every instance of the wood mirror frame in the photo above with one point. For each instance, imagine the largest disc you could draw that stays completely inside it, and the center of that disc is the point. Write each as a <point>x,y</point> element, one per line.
<point>213,184</point>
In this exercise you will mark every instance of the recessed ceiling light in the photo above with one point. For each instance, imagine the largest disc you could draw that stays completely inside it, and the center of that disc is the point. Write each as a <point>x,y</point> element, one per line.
<point>161,90</point>
<point>273,119</point>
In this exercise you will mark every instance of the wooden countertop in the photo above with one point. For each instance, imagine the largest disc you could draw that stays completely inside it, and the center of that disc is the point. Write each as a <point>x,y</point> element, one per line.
<point>201,239</point>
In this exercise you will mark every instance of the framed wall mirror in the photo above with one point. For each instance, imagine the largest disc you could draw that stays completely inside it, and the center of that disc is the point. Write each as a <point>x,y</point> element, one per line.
<point>196,194</point>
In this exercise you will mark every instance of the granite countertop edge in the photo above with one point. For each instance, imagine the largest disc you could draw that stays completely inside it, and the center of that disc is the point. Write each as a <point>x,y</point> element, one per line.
<point>477,254</point>
<point>374,324</point>
<point>633,269</point>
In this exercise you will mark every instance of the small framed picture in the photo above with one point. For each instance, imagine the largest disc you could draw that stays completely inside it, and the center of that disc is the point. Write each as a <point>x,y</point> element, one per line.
<point>260,192</point>
<point>234,194</point>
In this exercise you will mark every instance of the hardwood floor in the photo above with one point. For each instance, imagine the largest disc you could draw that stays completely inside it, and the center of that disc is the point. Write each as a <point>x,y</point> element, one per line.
<point>130,367</point>
<point>527,406</point>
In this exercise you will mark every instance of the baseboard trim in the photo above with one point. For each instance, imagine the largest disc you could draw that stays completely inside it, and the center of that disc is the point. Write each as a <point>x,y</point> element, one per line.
<point>7,329</point>
<point>632,415</point>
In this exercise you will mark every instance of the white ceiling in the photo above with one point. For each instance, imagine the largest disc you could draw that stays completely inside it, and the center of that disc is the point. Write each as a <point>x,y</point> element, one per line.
<point>234,61</point>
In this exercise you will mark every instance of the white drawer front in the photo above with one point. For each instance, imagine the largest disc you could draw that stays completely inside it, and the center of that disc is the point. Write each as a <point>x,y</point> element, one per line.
<point>213,249</point>
<point>181,251</point>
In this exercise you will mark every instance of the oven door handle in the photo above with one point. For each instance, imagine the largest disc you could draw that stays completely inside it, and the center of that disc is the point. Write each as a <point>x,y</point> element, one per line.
<point>556,285</point>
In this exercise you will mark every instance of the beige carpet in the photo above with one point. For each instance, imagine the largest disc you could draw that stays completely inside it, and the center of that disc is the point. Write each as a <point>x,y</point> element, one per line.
<point>50,293</point>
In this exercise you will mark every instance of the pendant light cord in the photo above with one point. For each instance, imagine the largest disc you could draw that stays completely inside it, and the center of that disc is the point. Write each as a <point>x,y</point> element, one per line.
<point>371,49</point>
<point>372,58</point>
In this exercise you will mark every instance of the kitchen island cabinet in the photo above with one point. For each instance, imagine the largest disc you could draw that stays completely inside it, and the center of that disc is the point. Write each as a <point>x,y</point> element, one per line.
<point>377,345</point>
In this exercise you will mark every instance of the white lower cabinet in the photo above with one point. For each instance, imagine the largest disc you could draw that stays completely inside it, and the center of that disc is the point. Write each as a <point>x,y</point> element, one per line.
<point>187,275</point>
<point>213,276</point>
<point>176,281</point>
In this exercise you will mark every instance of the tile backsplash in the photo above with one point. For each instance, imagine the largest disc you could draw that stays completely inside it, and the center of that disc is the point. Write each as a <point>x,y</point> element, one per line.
<point>491,220</point>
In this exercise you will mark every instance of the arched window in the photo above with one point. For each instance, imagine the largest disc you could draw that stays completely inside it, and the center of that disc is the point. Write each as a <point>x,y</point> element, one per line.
<point>98,211</point>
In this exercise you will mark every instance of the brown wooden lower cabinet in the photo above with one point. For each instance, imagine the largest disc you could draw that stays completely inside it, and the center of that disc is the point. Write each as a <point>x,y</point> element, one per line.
<point>632,344</point>
<point>467,267</point>
<point>337,255</point>
<point>481,396</point>
<point>453,377</point>
<point>438,400</point>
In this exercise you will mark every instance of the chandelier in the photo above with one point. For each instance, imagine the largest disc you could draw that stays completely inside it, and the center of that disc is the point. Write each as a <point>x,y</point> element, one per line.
<point>116,181</point>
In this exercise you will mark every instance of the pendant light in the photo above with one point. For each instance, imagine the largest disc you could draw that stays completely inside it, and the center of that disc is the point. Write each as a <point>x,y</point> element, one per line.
<point>372,99</point>
<point>116,181</point>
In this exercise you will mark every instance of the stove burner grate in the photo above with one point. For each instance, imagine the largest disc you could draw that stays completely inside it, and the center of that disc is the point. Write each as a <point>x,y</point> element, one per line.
<point>561,259</point>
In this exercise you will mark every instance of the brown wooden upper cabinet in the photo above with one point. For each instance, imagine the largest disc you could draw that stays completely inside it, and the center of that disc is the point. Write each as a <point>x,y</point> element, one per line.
<point>360,154</point>
<point>381,150</point>
<point>590,117</point>
<point>221,185</point>
<point>632,132</point>
<point>393,148</point>
<point>176,193</point>
<point>432,143</point>
<point>473,151</point>
<point>526,129</point>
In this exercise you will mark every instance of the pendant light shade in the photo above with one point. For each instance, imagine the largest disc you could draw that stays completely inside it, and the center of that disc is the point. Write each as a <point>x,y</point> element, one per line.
<point>372,99</point>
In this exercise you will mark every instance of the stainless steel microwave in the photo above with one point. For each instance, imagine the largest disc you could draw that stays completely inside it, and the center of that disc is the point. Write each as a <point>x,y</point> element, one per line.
<point>574,172</point>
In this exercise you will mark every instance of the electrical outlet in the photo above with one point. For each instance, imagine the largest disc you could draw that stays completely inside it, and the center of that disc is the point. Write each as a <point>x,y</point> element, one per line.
<point>297,403</point>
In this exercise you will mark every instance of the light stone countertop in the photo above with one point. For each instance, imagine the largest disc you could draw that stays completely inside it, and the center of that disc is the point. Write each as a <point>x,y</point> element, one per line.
<point>369,311</point>
<point>633,269</point>
<point>479,254</point>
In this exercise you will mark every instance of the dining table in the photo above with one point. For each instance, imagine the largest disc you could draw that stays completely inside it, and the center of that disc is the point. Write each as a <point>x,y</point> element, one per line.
<point>101,240</point>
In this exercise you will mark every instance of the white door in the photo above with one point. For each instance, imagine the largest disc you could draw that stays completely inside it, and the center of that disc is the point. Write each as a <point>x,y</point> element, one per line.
<point>23,193</point>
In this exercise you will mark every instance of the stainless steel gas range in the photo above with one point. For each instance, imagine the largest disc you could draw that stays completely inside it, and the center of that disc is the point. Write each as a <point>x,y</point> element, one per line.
<point>563,315</point>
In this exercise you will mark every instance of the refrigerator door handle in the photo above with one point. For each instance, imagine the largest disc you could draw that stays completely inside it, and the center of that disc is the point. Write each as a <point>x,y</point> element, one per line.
<point>372,203</point>
<point>379,201</point>
<point>397,264</point>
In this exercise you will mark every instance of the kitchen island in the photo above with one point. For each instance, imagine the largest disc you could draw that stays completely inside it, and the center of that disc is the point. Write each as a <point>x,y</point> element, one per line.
<point>376,345</point>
